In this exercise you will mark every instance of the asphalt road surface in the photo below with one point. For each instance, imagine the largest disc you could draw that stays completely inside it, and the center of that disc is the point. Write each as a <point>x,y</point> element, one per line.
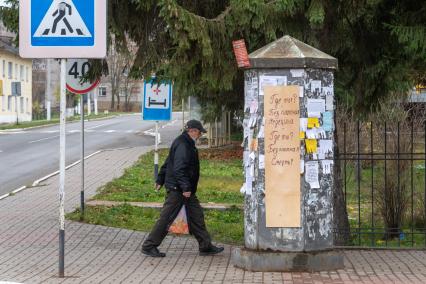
<point>27,155</point>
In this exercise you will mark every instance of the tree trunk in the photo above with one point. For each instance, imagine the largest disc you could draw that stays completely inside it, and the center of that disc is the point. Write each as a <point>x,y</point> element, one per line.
<point>340,214</point>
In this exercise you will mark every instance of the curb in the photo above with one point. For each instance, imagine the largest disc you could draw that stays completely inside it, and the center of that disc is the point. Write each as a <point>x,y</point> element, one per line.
<point>57,123</point>
<point>37,182</point>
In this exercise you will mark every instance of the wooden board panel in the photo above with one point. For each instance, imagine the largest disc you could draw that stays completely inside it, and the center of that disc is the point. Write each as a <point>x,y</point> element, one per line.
<point>282,156</point>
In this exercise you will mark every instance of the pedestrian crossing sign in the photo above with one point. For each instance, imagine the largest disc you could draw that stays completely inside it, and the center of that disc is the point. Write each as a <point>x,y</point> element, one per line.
<point>63,28</point>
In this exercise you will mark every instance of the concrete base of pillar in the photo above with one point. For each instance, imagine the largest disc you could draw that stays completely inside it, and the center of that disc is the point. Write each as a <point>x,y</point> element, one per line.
<point>264,261</point>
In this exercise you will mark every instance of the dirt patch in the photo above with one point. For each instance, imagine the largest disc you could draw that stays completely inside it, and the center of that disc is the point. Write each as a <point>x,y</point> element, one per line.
<point>234,151</point>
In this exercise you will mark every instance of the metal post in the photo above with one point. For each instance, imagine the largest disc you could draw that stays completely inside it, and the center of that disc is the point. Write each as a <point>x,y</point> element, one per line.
<point>82,154</point>
<point>48,90</point>
<point>156,152</point>
<point>229,127</point>
<point>62,170</point>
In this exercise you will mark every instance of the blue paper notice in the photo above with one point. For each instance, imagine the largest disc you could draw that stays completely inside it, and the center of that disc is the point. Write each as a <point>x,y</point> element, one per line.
<point>327,121</point>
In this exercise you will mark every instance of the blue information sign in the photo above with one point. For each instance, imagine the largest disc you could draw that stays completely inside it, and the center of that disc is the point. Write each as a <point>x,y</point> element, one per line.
<point>157,101</point>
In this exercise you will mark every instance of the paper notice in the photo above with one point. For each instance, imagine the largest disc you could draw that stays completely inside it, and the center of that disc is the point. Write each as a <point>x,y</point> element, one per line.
<point>301,91</point>
<point>311,146</point>
<point>327,121</point>
<point>243,189</point>
<point>329,103</point>
<point>315,107</point>
<point>311,133</point>
<point>271,81</point>
<point>316,86</point>
<point>326,146</point>
<point>313,122</point>
<point>297,73</point>
<point>249,185</point>
<point>303,124</point>
<point>311,174</point>
<point>302,135</point>
<point>302,166</point>
<point>327,166</point>
<point>253,106</point>
<point>261,162</point>
<point>328,91</point>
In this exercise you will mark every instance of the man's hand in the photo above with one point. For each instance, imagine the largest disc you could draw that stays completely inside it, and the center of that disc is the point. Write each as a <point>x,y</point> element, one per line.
<point>157,186</point>
<point>187,194</point>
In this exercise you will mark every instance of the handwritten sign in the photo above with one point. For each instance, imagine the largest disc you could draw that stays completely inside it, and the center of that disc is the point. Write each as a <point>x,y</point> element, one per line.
<point>282,156</point>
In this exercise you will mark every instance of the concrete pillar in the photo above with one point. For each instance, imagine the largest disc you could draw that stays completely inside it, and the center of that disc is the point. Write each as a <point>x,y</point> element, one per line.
<point>307,246</point>
<point>95,98</point>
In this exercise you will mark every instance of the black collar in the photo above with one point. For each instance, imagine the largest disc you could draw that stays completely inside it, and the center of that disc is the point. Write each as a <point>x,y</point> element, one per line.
<point>188,138</point>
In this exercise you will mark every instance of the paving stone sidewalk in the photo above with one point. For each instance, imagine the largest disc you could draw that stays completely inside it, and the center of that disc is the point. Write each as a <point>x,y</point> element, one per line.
<point>97,254</point>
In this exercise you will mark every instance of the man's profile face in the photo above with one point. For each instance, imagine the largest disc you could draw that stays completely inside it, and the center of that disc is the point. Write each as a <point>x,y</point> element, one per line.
<point>194,133</point>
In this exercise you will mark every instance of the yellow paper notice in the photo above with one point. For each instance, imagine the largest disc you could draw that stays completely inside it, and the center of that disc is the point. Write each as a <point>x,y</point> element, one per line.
<point>313,122</point>
<point>302,134</point>
<point>311,146</point>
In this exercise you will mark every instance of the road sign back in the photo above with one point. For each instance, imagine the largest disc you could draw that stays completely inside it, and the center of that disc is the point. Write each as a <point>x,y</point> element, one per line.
<point>62,28</point>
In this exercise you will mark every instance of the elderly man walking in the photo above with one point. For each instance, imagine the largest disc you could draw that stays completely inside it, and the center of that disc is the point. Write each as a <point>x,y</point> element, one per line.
<point>179,175</point>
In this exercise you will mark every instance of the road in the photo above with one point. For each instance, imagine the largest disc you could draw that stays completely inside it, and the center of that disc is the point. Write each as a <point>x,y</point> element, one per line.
<point>27,155</point>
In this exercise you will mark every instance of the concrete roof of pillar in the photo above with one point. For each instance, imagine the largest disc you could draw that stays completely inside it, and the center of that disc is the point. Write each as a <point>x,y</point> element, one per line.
<point>288,52</point>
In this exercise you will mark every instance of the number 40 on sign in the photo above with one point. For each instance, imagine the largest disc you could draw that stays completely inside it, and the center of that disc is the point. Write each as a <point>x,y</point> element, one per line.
<point>76,70</point>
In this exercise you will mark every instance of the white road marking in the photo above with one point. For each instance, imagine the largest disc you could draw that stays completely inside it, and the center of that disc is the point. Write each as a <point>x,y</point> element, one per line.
<point>97,126</point>
<point>39,140</point>
<point>110,131</point>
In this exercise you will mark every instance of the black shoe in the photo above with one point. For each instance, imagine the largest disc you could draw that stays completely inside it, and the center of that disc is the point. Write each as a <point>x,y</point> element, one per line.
<point>154,252</point>
<point>211,250</point>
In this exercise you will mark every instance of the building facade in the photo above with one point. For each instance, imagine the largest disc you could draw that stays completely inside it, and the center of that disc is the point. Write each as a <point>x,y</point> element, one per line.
<point>134,96</point>
<point>15,84</point>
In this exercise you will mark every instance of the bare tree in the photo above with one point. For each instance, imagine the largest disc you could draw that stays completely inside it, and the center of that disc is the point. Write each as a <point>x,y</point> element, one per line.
<point>120,61</point>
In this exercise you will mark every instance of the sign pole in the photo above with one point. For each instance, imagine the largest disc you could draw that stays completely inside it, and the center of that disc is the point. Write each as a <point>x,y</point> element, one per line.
<point>62,170</point>
<point>82,154</point>
<point>156,152</point>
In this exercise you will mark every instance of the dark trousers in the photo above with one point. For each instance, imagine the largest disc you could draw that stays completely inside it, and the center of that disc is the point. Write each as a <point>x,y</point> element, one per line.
<point>171,208</point>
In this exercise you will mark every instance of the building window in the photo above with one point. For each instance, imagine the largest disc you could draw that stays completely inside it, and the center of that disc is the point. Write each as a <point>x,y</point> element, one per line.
<point>16,71</point>
<point>9,103</point>
<point>102,92</point>
<point>21,104</point>
<point>27,74</point>
<point>21,72</point>
<point>9,70</point>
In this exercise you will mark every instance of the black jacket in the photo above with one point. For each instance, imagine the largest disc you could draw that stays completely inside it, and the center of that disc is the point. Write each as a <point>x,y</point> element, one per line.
<point>181,170</point>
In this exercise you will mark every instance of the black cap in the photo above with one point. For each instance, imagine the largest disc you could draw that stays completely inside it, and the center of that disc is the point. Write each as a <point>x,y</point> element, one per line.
<point>195,124</point>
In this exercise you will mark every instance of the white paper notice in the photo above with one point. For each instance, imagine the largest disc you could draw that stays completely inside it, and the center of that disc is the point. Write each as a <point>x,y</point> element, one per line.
<point>328,91</point>
<point>271,81</point>
<point>327,166</point>
<point>297,73</point>
<point>253,106</point>
<point>303,124</point>
<point>301,91</point>
<point>326,146</point>
<point>261,162</point>
<point>311,174</point>
<point>261,133</point>
<point>249,185</point>
<point>329,104</point>
<point>316,86</point>
<point>302,166</point>
<point>311,133</point>
<point>316,107</point>
<point>243,189</point>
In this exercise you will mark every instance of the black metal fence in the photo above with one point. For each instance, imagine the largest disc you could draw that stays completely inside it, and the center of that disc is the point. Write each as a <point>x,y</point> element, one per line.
<point>383,168</point>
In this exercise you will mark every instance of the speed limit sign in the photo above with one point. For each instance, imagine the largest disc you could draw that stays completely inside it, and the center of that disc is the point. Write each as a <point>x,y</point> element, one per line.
<point>76,69</point>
